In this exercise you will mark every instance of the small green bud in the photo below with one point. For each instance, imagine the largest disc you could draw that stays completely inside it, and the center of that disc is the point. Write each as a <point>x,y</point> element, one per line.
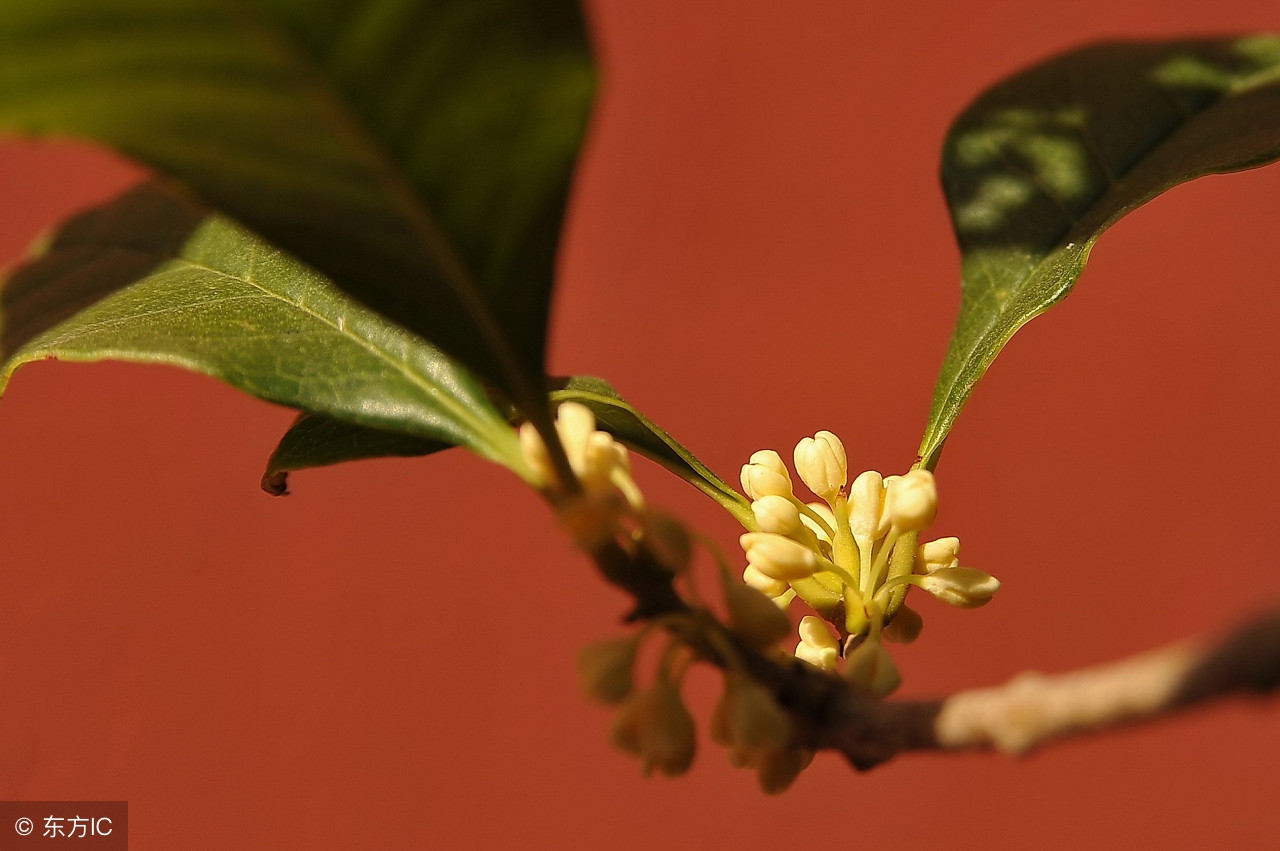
<point>754,617</point>
<point>905,626</point>
<point>778,769</point>
<point>655,726</point>
<point>605,668</point>
<point>667,540</point>
<point>870,669</point>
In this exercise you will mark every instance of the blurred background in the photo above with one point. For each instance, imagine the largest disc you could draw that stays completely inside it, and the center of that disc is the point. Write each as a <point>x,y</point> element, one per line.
<point>758,249</point>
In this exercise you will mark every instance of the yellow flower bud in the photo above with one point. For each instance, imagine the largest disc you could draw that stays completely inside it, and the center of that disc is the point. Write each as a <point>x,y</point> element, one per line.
<point>778,515</point>
<point>605,668</point>
<point>778,557</point>
<point>963,587</point>
<point>823,658</point>
<point>867,519</point>
<point>574,425</point>
<point>814,631</point>
<point>944,552</point>
<point>766,585</point>
<point>821,465</point>
<point>754,617</point>
<point>911,501</point>
<point>824,511</point>
<point>765,474</point>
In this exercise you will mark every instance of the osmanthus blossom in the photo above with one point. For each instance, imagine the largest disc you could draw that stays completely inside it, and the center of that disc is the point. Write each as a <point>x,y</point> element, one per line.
<point>851,556</point>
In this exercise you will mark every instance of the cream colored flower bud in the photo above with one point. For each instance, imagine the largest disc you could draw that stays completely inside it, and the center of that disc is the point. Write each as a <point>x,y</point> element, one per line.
<point>754,617</point>
<point>963,587</point>
<point>870,669</point>
<point>824,511</point>
<point>765,474</point>
<point>766,585</point>
<point>821,465</point>
<point>934,555</point>
<point>605,668</point>
<point>822,658</point>
<point>814,631</point>
<point>817,645</point>
<point>602,454</point>
<point>575,423</point>
<point>778,557</point>
<point>911,501</point>
<point>778,515</point>
<point>535,452</point>
<point>867,519</point>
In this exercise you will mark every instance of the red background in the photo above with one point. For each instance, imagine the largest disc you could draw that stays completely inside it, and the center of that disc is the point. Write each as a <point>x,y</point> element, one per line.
<point>758,250</point>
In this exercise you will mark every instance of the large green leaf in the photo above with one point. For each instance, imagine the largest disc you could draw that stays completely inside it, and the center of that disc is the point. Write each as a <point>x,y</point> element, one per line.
<point>154,278</point>
<point>417,152</point>
<point>1040,165</point>
<point>315,441</point>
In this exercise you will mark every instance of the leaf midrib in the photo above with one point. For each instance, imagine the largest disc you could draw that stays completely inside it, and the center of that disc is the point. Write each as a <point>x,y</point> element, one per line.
<point>179,263</point>
<point>1259,78</point>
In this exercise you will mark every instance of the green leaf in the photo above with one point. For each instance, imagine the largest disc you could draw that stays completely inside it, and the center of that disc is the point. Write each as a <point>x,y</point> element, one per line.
<point>616,416</point>
<point>1040,165</point>
<point>315,440</point>
<point>417,152</point>
<point>154,278</point>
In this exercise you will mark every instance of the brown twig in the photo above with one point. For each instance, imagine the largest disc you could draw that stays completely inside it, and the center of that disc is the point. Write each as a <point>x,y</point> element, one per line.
<point>1029,711</point>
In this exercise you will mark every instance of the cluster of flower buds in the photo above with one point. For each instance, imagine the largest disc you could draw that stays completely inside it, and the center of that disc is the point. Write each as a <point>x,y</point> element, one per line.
<point>653,724</point>
<point>851,556</point>
<point>600,463</point>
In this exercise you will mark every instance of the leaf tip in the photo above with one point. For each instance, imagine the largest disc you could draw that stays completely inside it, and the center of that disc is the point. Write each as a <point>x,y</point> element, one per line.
<point>276,483</point>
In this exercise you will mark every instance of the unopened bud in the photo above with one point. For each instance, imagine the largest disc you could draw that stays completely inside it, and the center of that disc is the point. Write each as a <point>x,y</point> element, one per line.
<point>754,617</point>
<point>778,557</point>
<point>766,585</point>
<point>867,519</point>
<point>755,720</point>
<point>778,769</point>
<point>605,668</point>
<point>667,540</point>
<point>870,669</point>
<point>575,423</point>
<point>964,587</point>
<point>655,726</point>
<point>765,474</point>
<point>944,552</point>
<point>821,465</point>
<point>778,515</point>
<point>911,502</point>
<point>905,626</point>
